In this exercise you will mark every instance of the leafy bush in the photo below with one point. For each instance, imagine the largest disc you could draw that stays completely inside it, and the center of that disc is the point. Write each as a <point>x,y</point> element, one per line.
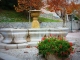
<point>55,45</point>
<point>76,18</point>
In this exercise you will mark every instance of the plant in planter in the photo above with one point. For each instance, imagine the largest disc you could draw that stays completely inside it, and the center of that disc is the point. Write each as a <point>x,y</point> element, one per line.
<point>55,46</point>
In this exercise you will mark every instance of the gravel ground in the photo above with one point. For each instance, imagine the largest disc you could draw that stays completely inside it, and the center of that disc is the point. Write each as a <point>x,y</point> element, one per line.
<point>23,54</point>
<point>32,54</point>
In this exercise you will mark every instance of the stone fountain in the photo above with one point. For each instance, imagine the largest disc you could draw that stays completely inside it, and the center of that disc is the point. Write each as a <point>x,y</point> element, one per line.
<point>20,38</point>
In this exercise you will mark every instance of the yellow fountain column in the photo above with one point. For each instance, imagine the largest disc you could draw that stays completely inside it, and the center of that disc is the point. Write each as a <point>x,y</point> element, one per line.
<point>35,23</point>
<point>35,14</point>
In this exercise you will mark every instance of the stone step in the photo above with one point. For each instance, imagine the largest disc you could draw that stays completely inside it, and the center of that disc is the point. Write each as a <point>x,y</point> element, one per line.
<point>17,46</point>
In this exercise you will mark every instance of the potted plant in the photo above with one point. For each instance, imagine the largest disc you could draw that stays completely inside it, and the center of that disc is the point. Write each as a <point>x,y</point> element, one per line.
<point>57,47</point>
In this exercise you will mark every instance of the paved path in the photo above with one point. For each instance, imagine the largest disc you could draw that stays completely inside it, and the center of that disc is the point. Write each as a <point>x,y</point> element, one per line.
<point>73,37</point>
<point>20,54</point>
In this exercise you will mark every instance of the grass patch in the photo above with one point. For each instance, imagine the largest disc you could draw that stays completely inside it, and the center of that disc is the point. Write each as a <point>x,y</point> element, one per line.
<point>42,19</point>
<point>13,16</point>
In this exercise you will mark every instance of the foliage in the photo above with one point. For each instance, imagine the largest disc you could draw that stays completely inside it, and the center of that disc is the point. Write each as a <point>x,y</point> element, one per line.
<point>77,13</point>
<point>28,5</point>
<point>75,18</point>
<point>8,4</point>
<point>72,7</point>
<point>63,6</point>
<point>55,45</point>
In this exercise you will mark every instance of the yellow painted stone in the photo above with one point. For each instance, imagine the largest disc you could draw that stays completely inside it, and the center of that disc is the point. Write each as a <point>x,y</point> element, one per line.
<point>35,14</point>
<point>35,23</point>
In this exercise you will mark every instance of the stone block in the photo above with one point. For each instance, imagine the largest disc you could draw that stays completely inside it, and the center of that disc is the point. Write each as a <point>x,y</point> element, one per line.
<point>11,46</point>
<point>23,45</point>
<point>2,46</point>
<point>32,44</point>
<point>1,37</point>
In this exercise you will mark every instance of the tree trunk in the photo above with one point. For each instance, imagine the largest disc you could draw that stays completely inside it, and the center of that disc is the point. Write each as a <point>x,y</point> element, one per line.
<point>64,17</point>
<point>64,23</point>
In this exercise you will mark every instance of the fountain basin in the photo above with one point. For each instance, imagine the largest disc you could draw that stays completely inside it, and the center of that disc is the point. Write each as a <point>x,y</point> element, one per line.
<point>16,36</point>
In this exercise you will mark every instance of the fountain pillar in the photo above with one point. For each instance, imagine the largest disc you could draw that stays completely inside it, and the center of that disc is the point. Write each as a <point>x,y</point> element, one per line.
<point>35,14</point>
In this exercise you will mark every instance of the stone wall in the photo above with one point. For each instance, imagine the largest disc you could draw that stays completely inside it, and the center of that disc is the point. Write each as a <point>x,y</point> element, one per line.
<point>15,25</point>
<point>42,25</point>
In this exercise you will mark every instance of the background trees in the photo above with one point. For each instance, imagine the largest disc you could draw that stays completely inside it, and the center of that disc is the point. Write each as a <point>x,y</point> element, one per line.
<point>25,5</point>
<point>64,6</point>
<point>77,12</point>
<point>8,4</point>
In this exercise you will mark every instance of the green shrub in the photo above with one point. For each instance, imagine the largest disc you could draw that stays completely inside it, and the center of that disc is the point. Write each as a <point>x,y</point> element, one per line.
<point>55,45</point>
